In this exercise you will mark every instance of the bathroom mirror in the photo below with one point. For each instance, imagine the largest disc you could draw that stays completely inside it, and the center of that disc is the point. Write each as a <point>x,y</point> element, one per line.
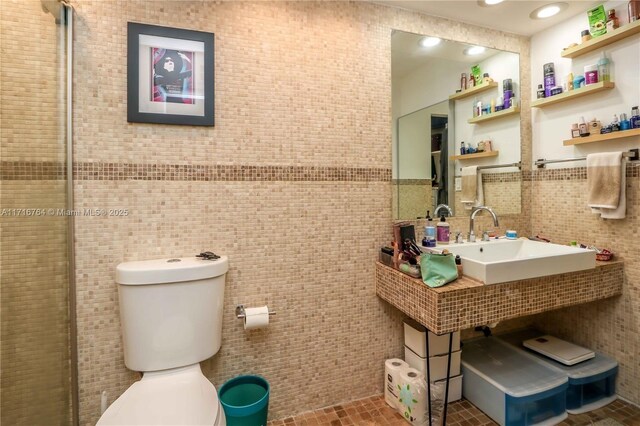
<point>431,117</point>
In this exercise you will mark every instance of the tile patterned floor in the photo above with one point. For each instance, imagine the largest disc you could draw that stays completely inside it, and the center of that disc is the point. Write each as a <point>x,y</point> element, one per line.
<point>374,411</point>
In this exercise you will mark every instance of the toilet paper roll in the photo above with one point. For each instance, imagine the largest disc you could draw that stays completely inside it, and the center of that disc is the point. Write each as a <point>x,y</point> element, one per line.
<point>412,397</point>
<point>256,318</point>
<point>392,368</point>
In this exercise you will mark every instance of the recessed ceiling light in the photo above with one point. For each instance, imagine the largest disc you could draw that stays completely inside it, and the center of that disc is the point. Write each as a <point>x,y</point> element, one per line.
<point>485,3</point>
<point>475,50</point>
<point>429,41</point>
<point>548,11</point>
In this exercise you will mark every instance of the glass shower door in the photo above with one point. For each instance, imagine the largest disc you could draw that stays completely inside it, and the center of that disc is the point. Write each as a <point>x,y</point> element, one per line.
<point>36,331</point>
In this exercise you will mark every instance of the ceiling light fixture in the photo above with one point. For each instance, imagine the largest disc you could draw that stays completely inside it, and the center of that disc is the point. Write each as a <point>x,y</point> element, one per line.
<point>475,50</point>
<point>548,11</point>
<point>485,3</point>
<point>429,41</point>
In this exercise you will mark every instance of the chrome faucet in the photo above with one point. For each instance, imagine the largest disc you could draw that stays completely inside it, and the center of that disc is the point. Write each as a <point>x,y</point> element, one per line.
<point>442,206</point>
<point>474,211</point>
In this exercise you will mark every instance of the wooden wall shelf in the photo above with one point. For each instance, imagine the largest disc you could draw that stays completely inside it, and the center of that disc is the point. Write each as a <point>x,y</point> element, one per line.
<point>494,115</point>
<point>572,94</point>
<point>604,40</point>
<point>473,91</point>
<point>477,155</point>
<point>602,138</point>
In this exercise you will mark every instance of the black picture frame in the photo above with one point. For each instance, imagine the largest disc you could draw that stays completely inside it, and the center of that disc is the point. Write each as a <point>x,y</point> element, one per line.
<point>148,108</point>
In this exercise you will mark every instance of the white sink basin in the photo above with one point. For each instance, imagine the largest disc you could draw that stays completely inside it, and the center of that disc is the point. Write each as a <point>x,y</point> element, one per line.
<point>503,260</point>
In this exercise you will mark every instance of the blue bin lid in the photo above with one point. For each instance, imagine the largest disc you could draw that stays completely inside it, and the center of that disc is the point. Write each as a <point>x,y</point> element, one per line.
<point>508,369</point>
<point>584,370</point>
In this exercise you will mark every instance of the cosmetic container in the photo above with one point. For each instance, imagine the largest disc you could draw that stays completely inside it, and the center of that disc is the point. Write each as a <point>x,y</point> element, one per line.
<point>612,20</point>
<point>585,35</point>
<point>540,93</point>
<point>575,132</point>
<point>603,69</point>
<point>635,118</point>
<point>549,78</point>
<point>583,128</point>
<point>507,89</point>
<point>463,149</point>
<point>634,10</point>
<point>591,74</point>
<point>624,122</point>
<point>463,81</point>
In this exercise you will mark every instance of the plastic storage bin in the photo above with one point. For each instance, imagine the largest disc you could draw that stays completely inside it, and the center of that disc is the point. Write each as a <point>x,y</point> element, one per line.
<point>415,339</point>
<point>592,383</point>
<point>511,387</point>
<point>245,400</point>
<point>437,364</point>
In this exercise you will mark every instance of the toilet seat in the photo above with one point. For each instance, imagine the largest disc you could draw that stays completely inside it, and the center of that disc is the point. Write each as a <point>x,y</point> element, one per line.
<point>180,396</point>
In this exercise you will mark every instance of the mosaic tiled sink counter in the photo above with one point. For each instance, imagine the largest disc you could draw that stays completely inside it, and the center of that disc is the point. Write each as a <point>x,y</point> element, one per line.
<point>467,303</point>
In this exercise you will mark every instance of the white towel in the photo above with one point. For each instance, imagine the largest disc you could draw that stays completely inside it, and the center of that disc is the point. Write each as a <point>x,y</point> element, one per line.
<point>472,192</point>
<point>606,181</point>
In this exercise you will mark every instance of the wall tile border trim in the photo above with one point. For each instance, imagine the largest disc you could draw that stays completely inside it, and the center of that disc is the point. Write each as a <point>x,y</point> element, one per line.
<point>28,170</point>
<point>51,170</point>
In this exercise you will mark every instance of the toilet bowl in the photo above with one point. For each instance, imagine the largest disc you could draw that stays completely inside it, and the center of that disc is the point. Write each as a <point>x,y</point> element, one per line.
<point>171,318</point>
<point>181,396</point>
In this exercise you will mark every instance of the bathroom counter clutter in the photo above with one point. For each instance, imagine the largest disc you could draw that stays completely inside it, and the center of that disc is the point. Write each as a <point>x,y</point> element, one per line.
<point>467,303</point>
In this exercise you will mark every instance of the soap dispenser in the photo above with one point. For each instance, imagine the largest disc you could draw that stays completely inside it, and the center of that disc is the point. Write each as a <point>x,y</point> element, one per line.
<point>429,239</point>
<point>443,231</point>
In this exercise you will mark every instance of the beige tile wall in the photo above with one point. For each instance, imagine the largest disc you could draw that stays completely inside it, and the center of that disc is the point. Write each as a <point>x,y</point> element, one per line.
<point>559,211</point>
<point>35,387</point>
<point>297,83</point>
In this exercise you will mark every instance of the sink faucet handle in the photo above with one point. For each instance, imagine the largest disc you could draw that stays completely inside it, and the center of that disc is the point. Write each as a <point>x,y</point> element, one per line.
<point>485,235</point>
<point>459,238</point>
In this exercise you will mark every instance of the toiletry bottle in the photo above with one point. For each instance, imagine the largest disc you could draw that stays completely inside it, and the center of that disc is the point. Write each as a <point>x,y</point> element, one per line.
<point>624,122</point>
<point>459,265</point>
<point>603,68</point>
<point>585,35</point>
<point>479,109</point>
<point>615,124</point>
<point>634,119</point>
<point>472,81</point>
<point>591,74</point>
<point>493,105</point>
<point>612,20</point>
<point>549,78</point>
<point>540,94</point>
<point>499,104</point>
<point>575,132</point>
<point>583,128</point>
<point>443,231</point>
<point>634,10</point>
<point>570,81</point>
<point>463,81</point>
<point>463,150</point>
<point>507,89</point>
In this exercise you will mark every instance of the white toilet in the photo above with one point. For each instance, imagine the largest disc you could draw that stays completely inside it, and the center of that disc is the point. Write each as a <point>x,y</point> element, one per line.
<point>171,315</point>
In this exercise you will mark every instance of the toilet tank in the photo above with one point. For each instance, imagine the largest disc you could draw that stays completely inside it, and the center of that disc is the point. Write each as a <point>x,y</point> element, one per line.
<point>170,311</point>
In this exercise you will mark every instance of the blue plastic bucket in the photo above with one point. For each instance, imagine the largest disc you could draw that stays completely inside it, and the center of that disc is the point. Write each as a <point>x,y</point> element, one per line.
<point>245,400</point>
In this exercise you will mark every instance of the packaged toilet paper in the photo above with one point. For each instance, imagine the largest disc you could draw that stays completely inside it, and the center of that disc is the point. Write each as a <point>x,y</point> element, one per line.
<point>392,369</point>
<point>413,397</point>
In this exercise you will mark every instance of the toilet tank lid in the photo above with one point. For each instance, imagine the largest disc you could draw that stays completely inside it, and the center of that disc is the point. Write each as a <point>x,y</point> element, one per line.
<point>171,270</point>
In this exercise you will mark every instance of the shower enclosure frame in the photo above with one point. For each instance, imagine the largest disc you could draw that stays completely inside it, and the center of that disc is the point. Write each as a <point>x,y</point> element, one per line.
<point>66,14</point>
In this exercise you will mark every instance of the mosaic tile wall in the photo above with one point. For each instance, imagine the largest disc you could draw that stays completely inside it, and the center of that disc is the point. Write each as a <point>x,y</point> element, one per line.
<point>303,84</point>
<point>35,387</point>
<point>559,211</point>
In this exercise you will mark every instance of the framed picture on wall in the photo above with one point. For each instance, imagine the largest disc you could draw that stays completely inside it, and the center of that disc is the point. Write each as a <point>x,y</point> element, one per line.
<point>169,75</point>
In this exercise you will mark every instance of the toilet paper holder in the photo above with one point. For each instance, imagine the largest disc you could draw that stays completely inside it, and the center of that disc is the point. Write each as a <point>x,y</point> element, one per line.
<point>240,312</point>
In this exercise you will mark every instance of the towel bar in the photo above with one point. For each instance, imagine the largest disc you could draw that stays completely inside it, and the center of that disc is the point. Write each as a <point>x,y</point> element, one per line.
<point>632,155</point>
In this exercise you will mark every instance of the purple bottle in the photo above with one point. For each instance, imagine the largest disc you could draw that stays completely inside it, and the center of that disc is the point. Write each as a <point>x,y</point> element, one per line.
<point>507,88</point>
<point>549,78</point>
